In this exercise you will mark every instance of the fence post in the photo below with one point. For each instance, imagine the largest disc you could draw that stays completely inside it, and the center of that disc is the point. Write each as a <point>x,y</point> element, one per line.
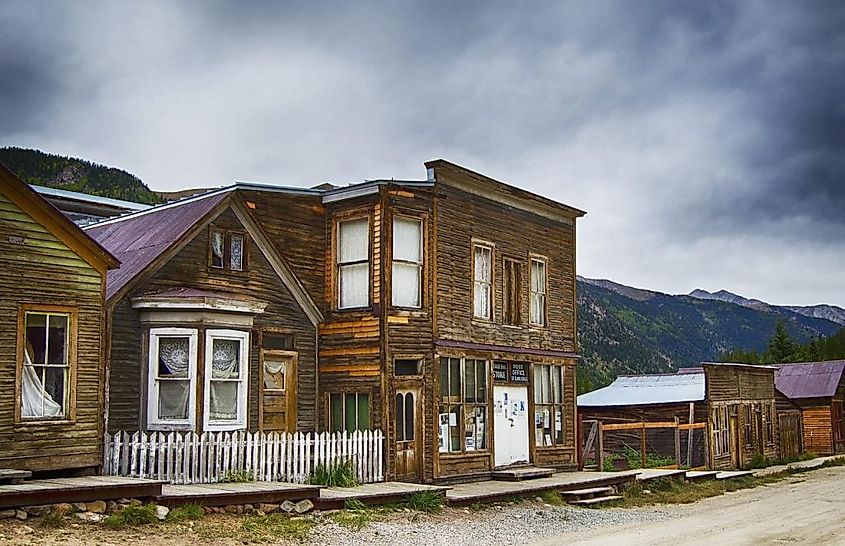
<point>600,446</point>
<point>677,443</point>
<point>644,452</point>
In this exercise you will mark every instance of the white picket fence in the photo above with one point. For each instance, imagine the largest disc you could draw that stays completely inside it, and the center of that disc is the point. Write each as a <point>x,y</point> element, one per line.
<point>189,457</point>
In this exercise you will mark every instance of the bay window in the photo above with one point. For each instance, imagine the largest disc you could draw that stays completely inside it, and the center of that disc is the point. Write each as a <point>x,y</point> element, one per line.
<point>482,272</point>
<point>538,292</point>
<point>353,263</point>
<point>226,373</point>
<point>47,367</point>
<point>549,415</point>
<point>406,278</point>
<point>172,377</point>
<point>463,408</point>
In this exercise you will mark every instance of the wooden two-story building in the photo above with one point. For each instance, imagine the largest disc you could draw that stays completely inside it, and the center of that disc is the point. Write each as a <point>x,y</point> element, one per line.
<point>52,369</point>
<point>440,310</point>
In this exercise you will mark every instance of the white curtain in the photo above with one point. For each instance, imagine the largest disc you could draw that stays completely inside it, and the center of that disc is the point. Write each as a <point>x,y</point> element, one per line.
<point>407,240</point>
<point>538,292</point>
<point>406,285</point>
<point>225,379</point>
<point>355,285</point>
<point>173,399</point>
<point>217,244</point>
<point>407,255</point>
<point>35,400</point>
<point>354,241</point>
<point>274,374</point>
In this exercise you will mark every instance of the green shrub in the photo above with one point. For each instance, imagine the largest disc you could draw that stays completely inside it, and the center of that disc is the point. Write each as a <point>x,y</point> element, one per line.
<point>340,474</point>
<point>238,476</point>
<point>133,515</point>
<point>758,461</point>
<point>609,460</point>
<point>186,512</point>
<point>552,497</point>
<point>52,518</point>
<point>426,501</point>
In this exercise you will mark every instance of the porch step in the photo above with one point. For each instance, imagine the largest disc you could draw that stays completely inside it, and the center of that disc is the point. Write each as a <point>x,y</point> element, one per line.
<point>522,473</point>
<point>8,475</point>
<point>596,500</point>
<point>584,494</point>
<point>700,475</point>
<point>731,474</point>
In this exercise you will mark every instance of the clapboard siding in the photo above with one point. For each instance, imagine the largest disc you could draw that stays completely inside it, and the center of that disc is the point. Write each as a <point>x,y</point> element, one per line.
<point>38,268</point>
<point>189,269</point>
<point>818,435</point>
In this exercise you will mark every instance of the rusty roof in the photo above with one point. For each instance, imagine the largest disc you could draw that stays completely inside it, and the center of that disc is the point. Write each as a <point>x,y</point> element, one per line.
<point>809,379</point>
<point>138,239</point>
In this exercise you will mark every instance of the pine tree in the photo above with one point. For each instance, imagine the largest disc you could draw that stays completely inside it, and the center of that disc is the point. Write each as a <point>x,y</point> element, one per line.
<point>781,348</point>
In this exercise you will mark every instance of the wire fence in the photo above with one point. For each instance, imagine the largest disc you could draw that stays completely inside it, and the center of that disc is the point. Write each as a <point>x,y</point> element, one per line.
<point>620,446</point>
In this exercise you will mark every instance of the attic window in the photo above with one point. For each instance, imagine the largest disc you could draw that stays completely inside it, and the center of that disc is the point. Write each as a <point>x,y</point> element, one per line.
<point>227,250</point>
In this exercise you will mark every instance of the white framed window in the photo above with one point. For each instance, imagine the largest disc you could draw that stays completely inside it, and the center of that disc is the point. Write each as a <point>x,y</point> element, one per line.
<point>538,292</point>
<point>46,370</point>
<point>171,399</point>
<point>353,263</point>
<point>482,272</point>
<point>226,375</point>
<point>406,280</point>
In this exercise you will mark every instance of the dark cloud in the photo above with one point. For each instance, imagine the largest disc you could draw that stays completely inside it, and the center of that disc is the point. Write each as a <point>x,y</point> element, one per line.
<point>697,134</point>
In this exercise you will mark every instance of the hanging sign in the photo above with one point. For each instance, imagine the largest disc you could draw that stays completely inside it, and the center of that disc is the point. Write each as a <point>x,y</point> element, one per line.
<point>500,371</point>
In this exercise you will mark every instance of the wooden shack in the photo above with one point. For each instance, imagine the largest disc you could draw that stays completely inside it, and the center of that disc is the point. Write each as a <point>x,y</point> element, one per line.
<point>742,415</point>
<point>818,389</point>
<point>210,329</point>
<point>52,286</point>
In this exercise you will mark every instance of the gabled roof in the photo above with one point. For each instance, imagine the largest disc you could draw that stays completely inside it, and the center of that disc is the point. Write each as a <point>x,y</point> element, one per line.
<point>809,379</point>
<point>139,239</point>
<point>635,390</point>
<point>28,200</point>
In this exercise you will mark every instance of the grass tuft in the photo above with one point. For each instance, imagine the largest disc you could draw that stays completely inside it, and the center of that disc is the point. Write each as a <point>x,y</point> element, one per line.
<point>426,501</point>
<point>553,497</point>
<point>132,516</point>
<point>52,518</point>
<point>340,474</point>
<point>186,512</point>
<point>238,476</point>
<point>275,526</point>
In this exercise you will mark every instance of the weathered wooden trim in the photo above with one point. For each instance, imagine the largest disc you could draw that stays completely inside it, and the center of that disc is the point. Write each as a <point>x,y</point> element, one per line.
<point>450,343</point>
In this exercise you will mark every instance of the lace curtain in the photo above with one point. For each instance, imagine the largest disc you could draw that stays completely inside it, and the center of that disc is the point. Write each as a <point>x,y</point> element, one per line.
<point>538,292</point>
<point>481,288</point>
<point>225,379</point>
<point>173,383</point>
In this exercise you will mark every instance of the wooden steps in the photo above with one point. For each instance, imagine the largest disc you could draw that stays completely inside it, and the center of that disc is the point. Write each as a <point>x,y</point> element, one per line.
<point>590,496</point>
<point>700,475</point>
<point>522,473</point>
<point>731,474</point>
<point>596,500</point>
<point>8,475</point>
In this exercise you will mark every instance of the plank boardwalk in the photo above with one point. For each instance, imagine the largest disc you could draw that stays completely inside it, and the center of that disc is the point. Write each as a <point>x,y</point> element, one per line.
<point>221,494</point>
<point>85,489</point>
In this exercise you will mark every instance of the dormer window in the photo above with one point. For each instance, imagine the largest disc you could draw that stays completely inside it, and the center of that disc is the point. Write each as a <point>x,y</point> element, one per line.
<point>227,250</point>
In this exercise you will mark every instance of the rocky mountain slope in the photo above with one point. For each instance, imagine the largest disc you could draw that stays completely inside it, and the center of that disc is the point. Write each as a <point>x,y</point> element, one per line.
<point>827,312</point>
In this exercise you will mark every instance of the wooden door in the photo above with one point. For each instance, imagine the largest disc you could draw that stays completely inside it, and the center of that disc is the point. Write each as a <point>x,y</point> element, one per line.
<point>277,391</point>
<point>790,435</point>
<point>408,449</point>
<point>736,459</point>
<point>510,425</point>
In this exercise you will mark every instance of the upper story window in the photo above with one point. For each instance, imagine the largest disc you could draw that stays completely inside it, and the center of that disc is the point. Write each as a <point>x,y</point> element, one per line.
<point>512,292</point>
<point>482,272</point>
<point>407,262</point>
<point>227,250</point>
<point>47,367</point>
<point>538,292</point>
<point>353,263</point>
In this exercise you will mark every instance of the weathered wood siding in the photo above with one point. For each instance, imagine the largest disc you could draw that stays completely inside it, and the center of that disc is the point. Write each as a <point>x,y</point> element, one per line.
<point>40,269</point>
<point>189,269</point>
<point>818,433</point>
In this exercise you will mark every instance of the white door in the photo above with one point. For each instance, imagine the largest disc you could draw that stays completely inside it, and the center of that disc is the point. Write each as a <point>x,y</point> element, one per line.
<point>510,424</point>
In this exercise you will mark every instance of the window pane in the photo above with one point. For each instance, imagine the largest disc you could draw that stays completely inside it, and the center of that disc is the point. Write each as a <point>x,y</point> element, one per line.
<point>538,383</point>
<point>353,240</point>
<point>36,401</point>
<point>336,412</point>
<point>455,378</point>
<point>547,396</point>
<point>480,427</point>
<point>225,358</point>
<point>36,337</point>
<point>406,285</point>
<point>217,248</point>
<point>57,339</point>
<point>409,416</point>
<point>481,380</point>
<point>444,379</point>
<point>454,428</point>
<point>236,260</point>
<point>400,417</point>
<point>481,300</point>
<point>173,355</point>
<point>407,240</point>
<point>274,374</point>
<point>469,381</point>
<point>482,264</point>
<point>173,400</point>
<point>350,413</point>
<point>223,400</point>
<point>363,412</point>
<point>558,435</point>
<point>354,285</point>
<point>409,367</point>
<point>557,395</point>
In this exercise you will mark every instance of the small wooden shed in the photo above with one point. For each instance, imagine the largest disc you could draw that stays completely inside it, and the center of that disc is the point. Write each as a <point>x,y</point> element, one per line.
<point>52,287</point>
<point>818,389</point>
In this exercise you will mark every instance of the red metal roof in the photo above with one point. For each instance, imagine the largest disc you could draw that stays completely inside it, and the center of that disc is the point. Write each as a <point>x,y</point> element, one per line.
<point>809,379</point>
<point>140,238</point>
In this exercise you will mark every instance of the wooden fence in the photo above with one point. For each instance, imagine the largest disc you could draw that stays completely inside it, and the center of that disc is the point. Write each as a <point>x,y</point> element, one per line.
<point>189,457</point>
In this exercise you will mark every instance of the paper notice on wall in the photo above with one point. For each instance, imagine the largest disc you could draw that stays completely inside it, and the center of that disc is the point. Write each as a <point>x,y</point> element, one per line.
<point>453,419</point>
<point>558,421</point>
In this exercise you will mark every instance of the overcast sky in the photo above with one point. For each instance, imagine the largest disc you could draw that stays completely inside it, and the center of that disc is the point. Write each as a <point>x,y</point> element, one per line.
<point>706,140</point>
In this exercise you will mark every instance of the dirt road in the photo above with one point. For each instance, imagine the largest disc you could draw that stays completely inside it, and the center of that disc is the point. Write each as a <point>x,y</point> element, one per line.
<point>805,509</point>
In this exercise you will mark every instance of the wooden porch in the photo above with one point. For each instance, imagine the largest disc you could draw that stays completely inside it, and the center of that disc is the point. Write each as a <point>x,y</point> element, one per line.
<point>85,489</point>
<point>223,494</point>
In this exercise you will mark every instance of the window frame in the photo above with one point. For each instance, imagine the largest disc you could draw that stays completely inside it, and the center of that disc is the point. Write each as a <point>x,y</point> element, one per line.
<point>462,404</point>
<point>418,264</point>
<point>343,394</point>
<point>514,292</point>
<point>552,405</point>
<point>769,414</point>
<point>72,312</point>
<point>479,245</point>
<point>240,422</point>
<point>545,293</point>
<point>227,250</point>
<point>748,425</point>
<point>338,265</point>
<point>720,431</point>
<point>153,422</point>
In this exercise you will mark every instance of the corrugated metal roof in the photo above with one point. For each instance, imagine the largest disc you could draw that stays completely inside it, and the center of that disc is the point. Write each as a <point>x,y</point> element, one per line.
<point>647,389</point>
<point>78,196</point>
<point>137,240</point>
<point>809,379</point>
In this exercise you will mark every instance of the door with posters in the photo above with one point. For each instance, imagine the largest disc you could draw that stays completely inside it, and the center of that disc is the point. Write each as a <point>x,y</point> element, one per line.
<point>510,424</point>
